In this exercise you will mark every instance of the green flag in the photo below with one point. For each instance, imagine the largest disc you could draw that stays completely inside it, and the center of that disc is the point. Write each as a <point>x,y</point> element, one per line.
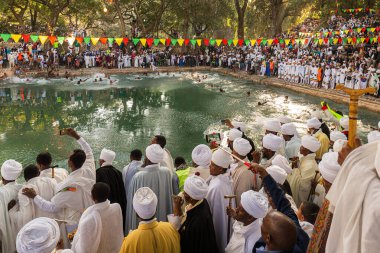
<point>5,36</point>
<point>230,42</point>
<point>34,38</point>
<point>110,40</point>
<point>212,42</point>
<point>193,42</point>
<point>135,41</point>
<point>246,42</point>
<point>61,40</point>
<point>174,41</point>
<point>87,40</point>
<point>156,41</point>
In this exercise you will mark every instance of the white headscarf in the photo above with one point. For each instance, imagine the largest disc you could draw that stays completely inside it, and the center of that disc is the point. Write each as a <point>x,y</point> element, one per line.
<point>317,114</point>
<point>336,135</point>
<point>338,145</point>
<point>284,120</point>
<point>154,153</point>
<point>234,134</point>
<point>196,187</point>
<point>222,159</point>
<point>145,202</point>
<point>289,129</point>
<point>272,125</point>
<point>278,174</point>
<point>107,155</point>
<point>10,170</point>
<point>313,123</point>
<point>344,123</point>
<point>373,136</point>
<point>255,204</point>
<point>282,162</point>
<point>272,142</point>
<point>242,146</point>
<point>40,235</point>
<point>201,155</point>
<point>311,143</point>
<point>329,166</point>
<point>238,124</point>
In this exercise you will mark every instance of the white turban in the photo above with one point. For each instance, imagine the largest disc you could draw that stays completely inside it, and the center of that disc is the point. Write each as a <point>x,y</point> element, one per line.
<point>272,125</point>
<point>154,153</point>
<point>107,155</point>
<point>201,155</point>
<point>222,158</point>
<point>344,123</point>
<point>196,187</point>
<point>238,124</point>
<point>255,204</point>
<point>338,145</point>
<point>373,136</point>
<point>313,123</point>
<point>289,129</point>
<point>284,119</point>
<point>10,170</point>
<point>242,146</point>
<point>234,134</point>
<point>317,114</point>
<point>336,135</point>
<point>282,162</point>
<point>311,143</point>
<point>40,235</point>
<point>272,142</point>
<point>145,203</point>
<point>329,166</point>
<point>278,174</point>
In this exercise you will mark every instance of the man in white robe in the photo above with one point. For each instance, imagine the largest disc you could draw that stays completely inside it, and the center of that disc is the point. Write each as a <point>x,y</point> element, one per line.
<point>247,226</point>
<point>43,161</point>
<point>10,170</point>
<point>220,185</point>
<point>130,170</point>
<point>157,178</point>
<point>167,161</point>
<point>292,141</point>
<point>201,156</point>
<point>104,218</point>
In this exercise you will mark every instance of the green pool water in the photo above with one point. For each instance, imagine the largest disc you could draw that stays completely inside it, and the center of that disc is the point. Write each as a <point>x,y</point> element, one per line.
<point>126,114</point>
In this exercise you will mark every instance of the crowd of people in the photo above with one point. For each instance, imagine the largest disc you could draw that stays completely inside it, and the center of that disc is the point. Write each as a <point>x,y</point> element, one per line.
<point>290,193</point>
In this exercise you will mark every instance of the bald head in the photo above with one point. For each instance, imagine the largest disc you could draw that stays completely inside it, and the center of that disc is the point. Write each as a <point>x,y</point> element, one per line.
<point>278,231</point>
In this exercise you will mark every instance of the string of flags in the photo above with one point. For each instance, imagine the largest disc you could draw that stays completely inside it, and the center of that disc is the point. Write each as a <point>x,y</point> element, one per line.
<point>148,42</point>
<point>341,32</point>
<point>355,10</point>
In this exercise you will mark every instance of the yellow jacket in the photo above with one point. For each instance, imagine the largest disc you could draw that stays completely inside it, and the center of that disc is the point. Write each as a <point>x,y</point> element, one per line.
<point>325,144</point>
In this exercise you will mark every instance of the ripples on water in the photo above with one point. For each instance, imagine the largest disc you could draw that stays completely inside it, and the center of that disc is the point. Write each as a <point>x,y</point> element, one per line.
<point>125,114</point>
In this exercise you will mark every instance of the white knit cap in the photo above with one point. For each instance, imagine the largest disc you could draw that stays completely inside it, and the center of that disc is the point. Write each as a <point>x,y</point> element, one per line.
<point>313,123</point>
<point>329,166</point>
<point>242,146</point>
<point>344,123</point>
<point>234,134</point>
<point>278,174</point>
<point>154,153</point>
<point>39,235</point>
<point>222,158</point>
<point>338,145</point>
<point>201,155</point>
<point>317,114</point>
<point>284,120</point>
<point>196,187</point>
<point>311,143</point>
<point>282,162</point>
<point>336,135</point>
<point>272,125</point>
<point>272,142</point>
<point>255,204</point>
<point>107,155</point>
<point>289,129</point>
<point>238,124</point>
<point>373,136</point>
<point>10,170</point>
<point>145,202</point>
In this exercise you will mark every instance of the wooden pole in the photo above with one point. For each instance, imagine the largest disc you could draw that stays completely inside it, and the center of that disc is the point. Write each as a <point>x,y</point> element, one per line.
<point>353,109</point>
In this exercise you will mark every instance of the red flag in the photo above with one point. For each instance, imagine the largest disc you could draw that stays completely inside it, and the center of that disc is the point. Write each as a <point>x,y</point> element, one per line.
<point>293,41</point>
<point>363,29</point>
<point>275,41</point>
<point>168,41</point>
<point>149,41</point>
<point>103,40</point>
<point>79,39</point>
<point>206,42</point>
<point>377,29</point>
<point>52,39</point>
<point>187,41</point>
<point>125,41</point>
<point>258,41</point>
<point>354,40</point>
<point>25,37</point>
<point>340,40</point>
<point>306,41</point>
<point>224,41</point>
<point>366,40</point>
<point>240,42</point>
<point>326,40</point>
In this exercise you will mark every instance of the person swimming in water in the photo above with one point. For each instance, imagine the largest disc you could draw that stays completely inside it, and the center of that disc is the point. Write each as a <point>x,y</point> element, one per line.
<point>248,93</point>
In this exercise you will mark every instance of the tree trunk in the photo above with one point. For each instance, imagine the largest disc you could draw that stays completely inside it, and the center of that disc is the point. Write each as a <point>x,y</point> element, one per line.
<point>121,18</point>
<point>241,26</point>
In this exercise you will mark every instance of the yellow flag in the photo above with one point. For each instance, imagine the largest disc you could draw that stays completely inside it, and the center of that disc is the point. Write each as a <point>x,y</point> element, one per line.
<point>253,42</point>
<point>303,41</point>
<point>235,41</point>
<point>43,39</point>
<point>270,42</point>
<point>162,41</point>
<point>16,37</point>
<point>218,42</point>
<point>349,40</point>
<point>118,41</point>
<point>143,42</point>
<point>94,41</point>
<point>287,42</point>
<point>373,29</point>
<point>180,42</point>
<point>199,42</point>
<point>320,41</point>
<point>346,31</point>
<point>335,41</point>
<point>362,39</point>
<point>374,40</point>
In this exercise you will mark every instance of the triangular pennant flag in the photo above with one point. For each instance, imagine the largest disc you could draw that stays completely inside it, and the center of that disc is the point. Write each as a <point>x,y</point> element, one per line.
<point>193,42</point>
<point>264,42</point>
<point>61,40</point>
<point>376,40</point>
<point>26,37</point>
<point>297,41</point>
<point>253,42</point>
<point>240,42</point>
<point>340,40</point>
<point>366,40</point>
<point>206,42</point>
<point>354,40</point>
<point>212,42</point>
<point>168,41</point>
<point>135,41</point>
<point>103,40</point>
<point>79,39</point>
<point>34,38</point>
<point>199,42</point>
<point>52,39</point>
<point>349,40</point>
<point>229,42</point>
<point>331,40</point>
<point>287,42</point>
<point>246,42</point>
<point>94,41</point>
<point>125,41</point>
<point>335,41</point>
<point>275,41</point>
<point>326,40</point>
<point>224,41</point>
<point>377,28</point>
<point>143,41</point>
<point>358,30</point>
<point>118,41</point>
<point>70,40</point>
<point>162,41</point>
<point>43,39</point>
<point>362,40</point>
<point>187,41</point>
<point>5,36</point>
<point>235,41</point>
<point>111,40</point>
<point>16,37</point>
<point>87,40</point>
<point>372,30</point>
<point>371,39</point>
<point>258,42</point>
<point>306,41</point>
<point>346,31</point>
<point>180,42</point>
<point>320,41</point>
<point>156,42</point>
<point>218,42</point>
<point>368,29</point>
<point>363,29</point>
<point>149,42</point>
<point>174,41</point>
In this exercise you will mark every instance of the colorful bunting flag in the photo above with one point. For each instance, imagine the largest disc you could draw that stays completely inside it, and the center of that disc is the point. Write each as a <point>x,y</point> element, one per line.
<point>110,41</point>
<point>168,41</point>
<point>43,39</point>
<point>143,41</point>
<point>162,41</point>
<point>34,38</point>
<point>187,41</point>
<point>253,42</point>
<point>174,41</point>
<point>61,40</point>
<point>212,42</point>
<point>16,37</point>
<point>87,40</point>
<point>156,42</point>
<point>206,42</point>
<point>224,41</point>
<point>199,42</point>
<point>104,40</point>
<point>240,42</point>
<point>218,42</point>
<point>235,41</point>
<point>52,39</point>
<point>70,40</point>
<point>229,42</point>
<point>5,36</point>
<point>180,42</point>
<point>79,39</point>
<point>193,42</point>
<point>118,41</point>
<point>135,41</point>
<point>149,41</point>
<point>125,41</point>
<point>94,41</point>
<point>26,37</point>
<point>246,42</point>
